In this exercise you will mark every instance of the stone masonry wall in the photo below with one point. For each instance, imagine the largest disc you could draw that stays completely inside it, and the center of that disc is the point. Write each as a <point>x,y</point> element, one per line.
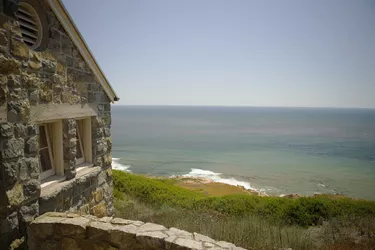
<point>89,194</point>
<point>20,186</point>
<point>73,232</point>
<point>57,75</point>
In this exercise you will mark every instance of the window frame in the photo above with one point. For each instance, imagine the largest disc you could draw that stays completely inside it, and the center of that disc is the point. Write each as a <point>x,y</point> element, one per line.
<point>52,171</point>
<point>84,132</point>
<point>54,137</point>
<point>55,142</point>
<point>80,142</point>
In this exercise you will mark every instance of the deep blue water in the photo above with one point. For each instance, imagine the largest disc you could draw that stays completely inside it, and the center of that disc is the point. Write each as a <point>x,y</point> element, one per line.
<point>276,150</point>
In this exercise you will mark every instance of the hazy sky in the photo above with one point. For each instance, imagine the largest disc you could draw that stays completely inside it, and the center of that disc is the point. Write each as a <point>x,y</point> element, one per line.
<point>233,52</point>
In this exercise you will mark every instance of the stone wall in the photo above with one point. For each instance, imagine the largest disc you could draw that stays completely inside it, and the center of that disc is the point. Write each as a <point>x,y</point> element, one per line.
<point>55,77</point>
<point>20,187</point>
<point>73,232</point>
<point>90,193</point>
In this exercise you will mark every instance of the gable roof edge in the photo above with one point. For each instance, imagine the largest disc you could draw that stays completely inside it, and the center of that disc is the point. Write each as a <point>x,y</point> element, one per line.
<point>66,21</point>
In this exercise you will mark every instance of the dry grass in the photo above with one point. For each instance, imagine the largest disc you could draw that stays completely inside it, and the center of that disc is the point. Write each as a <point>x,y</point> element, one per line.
<point>249,232</point>
<point>351,233</point>
<point>253,232</point>
<point>211,189</point>
<point>351,246</point>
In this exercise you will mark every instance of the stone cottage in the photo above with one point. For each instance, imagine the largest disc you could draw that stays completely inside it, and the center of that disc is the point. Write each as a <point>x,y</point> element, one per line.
<point>55,118</point>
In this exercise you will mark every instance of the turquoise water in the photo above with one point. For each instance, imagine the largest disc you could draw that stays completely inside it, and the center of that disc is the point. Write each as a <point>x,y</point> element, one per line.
<point>275,150</point>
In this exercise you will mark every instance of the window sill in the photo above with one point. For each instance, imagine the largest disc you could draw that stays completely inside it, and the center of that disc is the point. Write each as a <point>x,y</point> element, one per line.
<point>83,167</point>
<point>55,182</point>
<point>51,180</point>
<point>81,170</point>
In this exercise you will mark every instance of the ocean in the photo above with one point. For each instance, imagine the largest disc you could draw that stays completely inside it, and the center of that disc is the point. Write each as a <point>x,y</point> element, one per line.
<point>274,150</point>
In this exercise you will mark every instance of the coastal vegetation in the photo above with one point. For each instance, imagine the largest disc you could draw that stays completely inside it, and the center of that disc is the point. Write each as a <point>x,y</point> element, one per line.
<point>248,220</point>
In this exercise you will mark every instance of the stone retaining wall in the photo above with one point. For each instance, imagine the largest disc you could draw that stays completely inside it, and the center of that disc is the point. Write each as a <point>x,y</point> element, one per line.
<point>71,231</point>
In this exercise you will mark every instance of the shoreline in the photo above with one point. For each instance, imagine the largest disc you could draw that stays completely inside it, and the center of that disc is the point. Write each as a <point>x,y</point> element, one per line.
<point>187,181</point>
<point>224,186</point>
<point>197,183</point>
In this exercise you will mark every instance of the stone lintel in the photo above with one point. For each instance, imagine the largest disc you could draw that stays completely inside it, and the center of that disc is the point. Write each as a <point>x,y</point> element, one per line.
<point>52,112</point>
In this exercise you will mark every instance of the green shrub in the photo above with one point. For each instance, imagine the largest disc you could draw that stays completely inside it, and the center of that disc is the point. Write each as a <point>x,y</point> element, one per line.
<point>154,191</point>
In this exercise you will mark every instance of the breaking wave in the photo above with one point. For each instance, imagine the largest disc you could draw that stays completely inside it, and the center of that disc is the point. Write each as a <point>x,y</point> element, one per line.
<point>216,177</point>
<point>118,166</point>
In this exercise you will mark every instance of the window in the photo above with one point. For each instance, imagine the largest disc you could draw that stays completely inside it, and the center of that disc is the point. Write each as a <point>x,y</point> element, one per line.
<point>80,158</point>
<point>83,136</point>
<point>50,149</point>
<point>30,25</point>
<point>46,165</point>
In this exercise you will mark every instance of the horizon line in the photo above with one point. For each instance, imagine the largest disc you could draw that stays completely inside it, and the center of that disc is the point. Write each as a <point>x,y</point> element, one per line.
<point>239,106</point>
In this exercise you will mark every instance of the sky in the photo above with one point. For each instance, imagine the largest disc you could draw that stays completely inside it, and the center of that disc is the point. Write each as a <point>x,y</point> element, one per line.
<point>297,53</point>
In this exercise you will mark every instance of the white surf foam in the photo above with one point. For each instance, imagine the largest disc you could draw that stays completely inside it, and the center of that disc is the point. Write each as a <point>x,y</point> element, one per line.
<point>321,184</point>
<point>207,174</point>
<point>118,166</point>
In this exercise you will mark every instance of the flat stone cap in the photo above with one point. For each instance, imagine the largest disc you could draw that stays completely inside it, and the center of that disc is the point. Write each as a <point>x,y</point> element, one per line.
<point>72,231</point>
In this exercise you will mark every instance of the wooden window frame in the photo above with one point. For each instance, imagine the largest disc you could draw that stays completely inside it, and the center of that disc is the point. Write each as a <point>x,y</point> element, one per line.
<point>84,132</point>
<point>55,148</point>
<point>49,172</point>
<point>80,142</point>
